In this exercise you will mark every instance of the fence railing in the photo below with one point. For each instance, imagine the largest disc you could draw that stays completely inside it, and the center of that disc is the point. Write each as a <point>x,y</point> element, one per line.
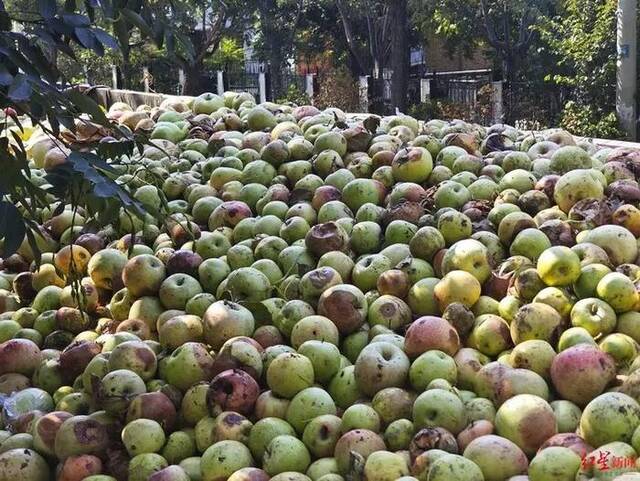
<point>242,81</point>
<point>460,87</point>
<point>472,93</point>
<point>533,102</point>
<point>251,76</point>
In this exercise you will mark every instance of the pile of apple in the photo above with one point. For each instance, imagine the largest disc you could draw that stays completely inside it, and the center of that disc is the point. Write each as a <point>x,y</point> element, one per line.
<point>328,297</point>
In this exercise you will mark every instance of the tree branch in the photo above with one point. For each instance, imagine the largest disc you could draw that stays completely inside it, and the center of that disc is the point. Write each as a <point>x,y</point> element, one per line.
<point>295,22</point>
<point>525,34</point>
<point>507,28</point>
<point>373,41</point>
<point>385,38</point>
<point>490,27</point>
<point>213,35</point>
<point>348,33</point>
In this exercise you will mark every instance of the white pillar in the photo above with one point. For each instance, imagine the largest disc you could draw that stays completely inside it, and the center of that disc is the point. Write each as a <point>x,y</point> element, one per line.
<point>363,88</point>
<point>181,79</point>
<point>220,82</point>
<point>145,79</point>
<point>262,87</point>
<point>425,89</point>
<point>496,100</point>
<point>309,86</point>
<point>626,81</point>
<point>85,71</point>
<point>114,76</point>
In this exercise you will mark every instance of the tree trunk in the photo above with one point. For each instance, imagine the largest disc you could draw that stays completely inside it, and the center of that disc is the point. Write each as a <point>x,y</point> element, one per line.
<point>357,63</point>
<point>275,55</point>
<point>509,61</point>
<point>273,39</point>
<point>276,70</point>
<point>399,56</point>
<point>193,85</point>
<point>354,66</point>
<point>509,73</point>
<point>126,70</point>
<point>376,102</point>
<point>278,31</point>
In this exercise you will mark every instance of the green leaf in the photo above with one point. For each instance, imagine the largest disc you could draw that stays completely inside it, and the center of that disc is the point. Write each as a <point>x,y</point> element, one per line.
<point>58,210</point>
<point>67,119</point>
<point>138,21</point>
<point>85,37</point>
<point>106,39</point>
<point>122,32</point>
<point>43,66</point>
<point>87,105</point>
<point>5,76</point>
<point>115,149</point>
<point>47,8</point>
<point>76,20</point>
<point>12,228</point>
<point>34,245</point>
<point>20,89</point>
<point>91,159</point>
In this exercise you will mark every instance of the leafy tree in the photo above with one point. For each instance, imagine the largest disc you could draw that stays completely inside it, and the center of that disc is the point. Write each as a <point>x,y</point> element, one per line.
<point>504,25</point>
<point>88,67</point>
<point>508,26</point>
<point>123,27</point>
<point>319,38</point>
<point>230,52</point>
<point>198,28</point>
<point>367,26</point>
<point>368,30</point>
<point>278,22</point>
<point>581,39</point>
<point>454,22</point>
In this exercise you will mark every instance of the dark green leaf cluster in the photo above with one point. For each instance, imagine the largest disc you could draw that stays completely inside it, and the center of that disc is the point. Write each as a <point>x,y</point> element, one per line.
<point>32,87</point>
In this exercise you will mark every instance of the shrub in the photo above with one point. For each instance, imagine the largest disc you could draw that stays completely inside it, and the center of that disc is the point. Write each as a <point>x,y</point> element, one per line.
<point>425,110</point>
<point>339,89</point>
<point>447,110</point>
<point>294,96</point>
<point>588,121</point>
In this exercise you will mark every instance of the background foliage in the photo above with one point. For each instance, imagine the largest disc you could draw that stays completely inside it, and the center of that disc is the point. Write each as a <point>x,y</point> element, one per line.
<point>550,52</point>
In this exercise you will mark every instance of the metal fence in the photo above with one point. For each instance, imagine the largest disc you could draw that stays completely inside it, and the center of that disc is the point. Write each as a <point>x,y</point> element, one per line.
<point>468,93</point>
<point>242,80</point>
<point>457,82</point>
<point>164,78</point>
<point>463,94</point>
<point>532,102</point>
<point>290,80</point>
<point>245,77</point>
<point>464,91</point>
